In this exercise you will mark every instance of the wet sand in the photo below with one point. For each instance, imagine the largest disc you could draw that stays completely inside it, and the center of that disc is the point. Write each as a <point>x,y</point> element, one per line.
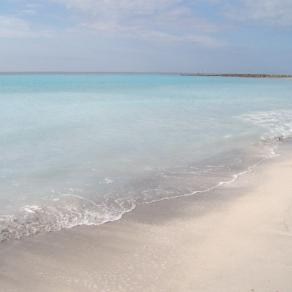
<point>236,238</point>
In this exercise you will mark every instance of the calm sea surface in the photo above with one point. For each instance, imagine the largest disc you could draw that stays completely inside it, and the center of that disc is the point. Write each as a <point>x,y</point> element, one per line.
<point>85,149</point>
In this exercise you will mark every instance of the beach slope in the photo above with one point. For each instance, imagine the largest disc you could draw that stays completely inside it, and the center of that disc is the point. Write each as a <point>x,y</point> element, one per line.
<point>236,239</point>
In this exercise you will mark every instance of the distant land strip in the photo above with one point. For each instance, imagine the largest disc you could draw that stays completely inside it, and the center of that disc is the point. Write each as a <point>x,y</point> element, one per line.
<point>239,75</point>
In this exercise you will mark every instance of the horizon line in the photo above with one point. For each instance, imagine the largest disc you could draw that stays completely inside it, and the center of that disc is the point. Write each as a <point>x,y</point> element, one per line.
<point>141,72</point>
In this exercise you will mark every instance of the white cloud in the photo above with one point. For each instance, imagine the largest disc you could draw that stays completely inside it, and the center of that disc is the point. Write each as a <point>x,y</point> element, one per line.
<point>153,35</point>
<point>277,12</point>
<point>15,27</point>
<point>159,20</point>
<point>29,9</point>
<point>119,7</point>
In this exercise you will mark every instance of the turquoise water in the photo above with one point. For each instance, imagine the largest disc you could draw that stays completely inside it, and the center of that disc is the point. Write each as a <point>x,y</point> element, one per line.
<point>84,149</point>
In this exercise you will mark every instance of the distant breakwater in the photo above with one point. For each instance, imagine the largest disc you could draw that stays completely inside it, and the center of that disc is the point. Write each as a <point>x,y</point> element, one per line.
<point>240,75</point>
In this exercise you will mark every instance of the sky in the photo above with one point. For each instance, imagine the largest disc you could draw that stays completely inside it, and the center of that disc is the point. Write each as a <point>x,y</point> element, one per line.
<point>214,36</point>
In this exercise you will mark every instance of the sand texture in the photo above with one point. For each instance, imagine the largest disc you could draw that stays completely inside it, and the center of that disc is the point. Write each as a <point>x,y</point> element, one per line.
<point>236,239</point>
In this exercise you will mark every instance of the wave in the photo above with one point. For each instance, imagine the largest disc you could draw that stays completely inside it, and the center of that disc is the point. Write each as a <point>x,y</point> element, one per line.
<point>63,213</point>
<point>278,124</point>
<point>71,210</point>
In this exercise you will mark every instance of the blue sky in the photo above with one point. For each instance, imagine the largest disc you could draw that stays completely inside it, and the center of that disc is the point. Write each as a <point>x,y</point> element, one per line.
<point>146,35</point>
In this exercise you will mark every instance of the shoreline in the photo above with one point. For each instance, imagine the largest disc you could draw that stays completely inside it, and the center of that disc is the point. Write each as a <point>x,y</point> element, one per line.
<point>236,238</point>
<point>30,231</point>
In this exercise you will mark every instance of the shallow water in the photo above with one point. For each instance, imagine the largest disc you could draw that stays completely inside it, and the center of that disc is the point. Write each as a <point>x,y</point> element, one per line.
<point>84,149</point>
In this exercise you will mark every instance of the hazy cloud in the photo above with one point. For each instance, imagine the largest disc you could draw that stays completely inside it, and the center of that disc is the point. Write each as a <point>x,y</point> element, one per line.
<point>146,35</point>
<point>15,27</point>
<point>275,12</point>
<point>29,9</point>
<point>119,7</point>
<point>159,20</point>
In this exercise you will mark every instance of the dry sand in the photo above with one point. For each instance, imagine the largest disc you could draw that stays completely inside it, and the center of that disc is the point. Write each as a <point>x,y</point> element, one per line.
<point>235,239</point>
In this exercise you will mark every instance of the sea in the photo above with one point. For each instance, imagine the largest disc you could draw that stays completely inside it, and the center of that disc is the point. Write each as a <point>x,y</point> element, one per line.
<point>84,149</point>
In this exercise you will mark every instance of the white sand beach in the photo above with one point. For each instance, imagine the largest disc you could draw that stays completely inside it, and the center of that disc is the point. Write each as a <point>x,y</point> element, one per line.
<point>145,146</point>
<point>237,239</point>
